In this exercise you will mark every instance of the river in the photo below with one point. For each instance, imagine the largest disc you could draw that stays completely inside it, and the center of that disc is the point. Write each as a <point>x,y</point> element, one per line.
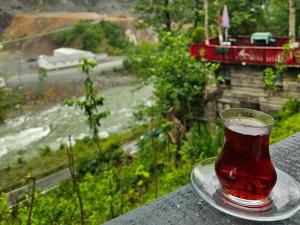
<point>23,136</point>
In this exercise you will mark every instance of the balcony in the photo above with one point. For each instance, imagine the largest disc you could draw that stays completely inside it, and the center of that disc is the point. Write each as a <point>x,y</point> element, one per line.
<point>185,207</point>
<point>239,50</point>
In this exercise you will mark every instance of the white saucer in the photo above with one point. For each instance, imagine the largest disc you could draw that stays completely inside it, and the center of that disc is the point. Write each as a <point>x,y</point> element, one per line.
<point>285,196</point>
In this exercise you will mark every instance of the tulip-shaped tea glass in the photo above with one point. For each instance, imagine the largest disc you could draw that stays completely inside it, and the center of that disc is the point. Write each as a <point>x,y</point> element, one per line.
<point>244,167</point>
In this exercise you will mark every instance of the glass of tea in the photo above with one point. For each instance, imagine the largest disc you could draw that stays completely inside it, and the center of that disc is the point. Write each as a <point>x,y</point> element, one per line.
<point>244,167</point>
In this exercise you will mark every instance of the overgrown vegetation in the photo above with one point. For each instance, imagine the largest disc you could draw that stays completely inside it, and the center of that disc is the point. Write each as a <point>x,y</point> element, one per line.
<point>102,36</point>
<point>288,121</point>
<point>92,102</point>
<point>273,76</point>
<point>9,100</point>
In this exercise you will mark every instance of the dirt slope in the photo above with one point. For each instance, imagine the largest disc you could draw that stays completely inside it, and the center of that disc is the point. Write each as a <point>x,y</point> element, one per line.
<point>10,8</point>
<point>30,24</point>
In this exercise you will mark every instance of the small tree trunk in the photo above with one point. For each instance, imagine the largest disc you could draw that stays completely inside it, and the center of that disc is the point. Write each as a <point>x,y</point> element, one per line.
<point>119,182</point>
<point>219,22</point>
<point>167,15</point>
<point>292,20</point>
<point>197,13</point>
<point>76,188</point>
<point>206,29</point>
<point>177,155</point>
<point>154,152</point>
<point>111,198</point>
<point>32,199</point>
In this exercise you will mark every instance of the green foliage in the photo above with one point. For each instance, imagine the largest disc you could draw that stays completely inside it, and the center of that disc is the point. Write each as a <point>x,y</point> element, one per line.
<point>286,127</point>
<point>290,108</point>
<point>273,76</point>
<point>44,151</point>
<point>90,39</point>
<point>246,17</point>
<point>272,79</point>
<point>113,34</point>
<point>198,35</point>
<point>42,74</point>
<point>92,35</point>
<point>65,37</point>
<point>178,79</point>
<point>202,142</point>
<point>287,121</point>
<point>8,101</point>
<point>5,212</point>
<point>90,105</point>
<point>139,58</point>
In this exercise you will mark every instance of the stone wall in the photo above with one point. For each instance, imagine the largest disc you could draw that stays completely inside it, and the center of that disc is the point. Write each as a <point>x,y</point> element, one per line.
<point>245,88</point>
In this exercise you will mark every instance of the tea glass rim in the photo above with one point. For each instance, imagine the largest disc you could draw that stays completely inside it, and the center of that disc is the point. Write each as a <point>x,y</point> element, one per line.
<point>255,112</point>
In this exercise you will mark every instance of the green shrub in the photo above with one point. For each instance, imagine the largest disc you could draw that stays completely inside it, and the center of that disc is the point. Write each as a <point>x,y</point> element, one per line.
<point>92,36</point>
<point>113,34</point>
<point>91,39</point>
<point>198,35</point>
<point>8,102</point>
<point>64,38</point>
<point>45,151</point>
<point>290,108</point>
<point>285,128</point>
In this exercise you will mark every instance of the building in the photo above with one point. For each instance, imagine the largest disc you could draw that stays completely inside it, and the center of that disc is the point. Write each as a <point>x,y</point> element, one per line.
<point>243,61</point>
<point>63,58</point>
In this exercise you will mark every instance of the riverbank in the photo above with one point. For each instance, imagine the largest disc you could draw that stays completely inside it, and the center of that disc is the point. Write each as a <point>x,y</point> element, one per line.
<point>50,162</point>
<point>25,136</point>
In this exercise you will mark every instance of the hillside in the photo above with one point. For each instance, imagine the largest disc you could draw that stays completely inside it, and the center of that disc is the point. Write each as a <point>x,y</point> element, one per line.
<point>11,8</point>
<point>108,6</point>
<point>27,24</point>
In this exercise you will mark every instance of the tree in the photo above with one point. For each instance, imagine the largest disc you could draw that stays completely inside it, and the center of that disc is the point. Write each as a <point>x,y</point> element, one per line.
<point>154,13</point>
<point>246,17</point>
<point>179,83</point>
<point>90,105</point>
<point>197,19</point>
<point>163,15</point>
<point>179,80</point>
<point>206,28</point>
<point>42,74</point>
<point>292,19</point>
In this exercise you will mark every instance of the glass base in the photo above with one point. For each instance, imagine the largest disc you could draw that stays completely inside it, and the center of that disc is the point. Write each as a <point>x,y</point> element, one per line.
<point>252,205</point>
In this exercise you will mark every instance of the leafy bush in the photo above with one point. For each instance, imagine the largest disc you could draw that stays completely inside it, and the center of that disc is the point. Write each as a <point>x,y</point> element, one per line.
<point>290,108</point>
<point>113,34</point>
<point>90,39</point>
<point>65,38</point>
<point>198,35</point>
<point>45,151</point>
<point>92,35</point>
<point>285,128</point>
<point>8,101</point>
<point>288,121</point>
<point>202,142</point>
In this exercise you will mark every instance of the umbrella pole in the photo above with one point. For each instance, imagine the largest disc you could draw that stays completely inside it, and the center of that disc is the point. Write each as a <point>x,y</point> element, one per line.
<point>226,34</point>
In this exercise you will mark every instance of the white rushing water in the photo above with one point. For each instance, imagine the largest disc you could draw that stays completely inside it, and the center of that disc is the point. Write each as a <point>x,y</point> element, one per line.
<point>25,135</point>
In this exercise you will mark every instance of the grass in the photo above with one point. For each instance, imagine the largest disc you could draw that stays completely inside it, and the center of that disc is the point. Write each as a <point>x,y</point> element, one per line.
<point>286,128</point>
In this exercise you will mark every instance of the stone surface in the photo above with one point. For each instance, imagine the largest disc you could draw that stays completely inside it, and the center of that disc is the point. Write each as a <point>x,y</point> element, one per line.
<point>185,207</point>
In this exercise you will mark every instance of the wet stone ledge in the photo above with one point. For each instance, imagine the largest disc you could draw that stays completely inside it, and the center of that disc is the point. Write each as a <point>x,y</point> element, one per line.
<point>185,207</point>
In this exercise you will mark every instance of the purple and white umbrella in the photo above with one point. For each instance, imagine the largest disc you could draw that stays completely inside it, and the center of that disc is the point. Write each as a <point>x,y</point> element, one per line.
<point>225,21</point>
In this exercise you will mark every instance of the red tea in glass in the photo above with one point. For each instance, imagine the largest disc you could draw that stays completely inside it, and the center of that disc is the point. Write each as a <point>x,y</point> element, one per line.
<point>244,167</point>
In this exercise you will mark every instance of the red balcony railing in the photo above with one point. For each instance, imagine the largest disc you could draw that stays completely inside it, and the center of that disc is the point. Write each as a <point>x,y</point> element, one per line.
<point>241,51</point>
